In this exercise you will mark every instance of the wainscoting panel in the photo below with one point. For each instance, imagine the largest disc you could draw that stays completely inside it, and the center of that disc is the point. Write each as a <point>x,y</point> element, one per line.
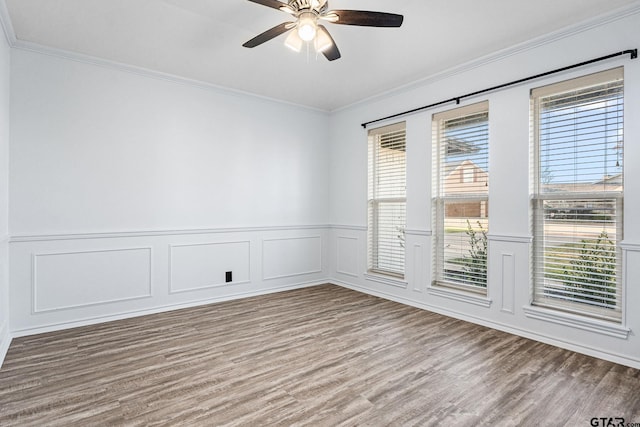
<point>347,256</point>
<point>204,265</point>
<point>287,257</point>
<point>67,280</point>
<point>418,268</point>
<point>508,283</point>
<point>5,341</point>
<point>61,281</point>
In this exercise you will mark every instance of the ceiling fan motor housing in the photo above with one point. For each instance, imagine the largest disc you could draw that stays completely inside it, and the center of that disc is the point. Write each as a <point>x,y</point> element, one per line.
<point>317,6</point>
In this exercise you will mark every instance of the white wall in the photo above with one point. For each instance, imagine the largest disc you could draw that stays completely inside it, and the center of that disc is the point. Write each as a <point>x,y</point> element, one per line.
<point>96,150</point>
<point>509,281</point>
<point>4,195</point>
<point>132,194</point>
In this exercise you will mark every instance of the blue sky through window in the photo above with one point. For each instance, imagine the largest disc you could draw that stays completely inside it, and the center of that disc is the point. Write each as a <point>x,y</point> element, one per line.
<point>581,136</point>
<point>467,139</point>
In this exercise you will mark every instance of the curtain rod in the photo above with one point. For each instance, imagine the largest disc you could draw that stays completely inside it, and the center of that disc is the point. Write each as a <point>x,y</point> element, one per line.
<point>632,52</point>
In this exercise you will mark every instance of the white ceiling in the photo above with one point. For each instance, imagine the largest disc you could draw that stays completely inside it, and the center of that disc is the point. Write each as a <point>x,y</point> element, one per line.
<point>202,40</point>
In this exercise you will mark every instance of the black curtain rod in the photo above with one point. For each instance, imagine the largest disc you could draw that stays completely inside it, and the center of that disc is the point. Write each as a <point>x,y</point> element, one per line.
<point>632,52</point>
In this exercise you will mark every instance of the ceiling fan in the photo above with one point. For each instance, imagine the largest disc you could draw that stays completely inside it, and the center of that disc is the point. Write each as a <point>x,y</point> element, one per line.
<point>307,13</point>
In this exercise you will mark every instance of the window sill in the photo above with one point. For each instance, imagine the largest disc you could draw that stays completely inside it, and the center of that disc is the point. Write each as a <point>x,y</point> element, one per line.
<point>386,280</point>
<point>575,321</point>
<point>468,297</point>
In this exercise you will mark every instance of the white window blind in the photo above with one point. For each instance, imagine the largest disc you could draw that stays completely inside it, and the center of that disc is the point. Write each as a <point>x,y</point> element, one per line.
<point>577,194</point>
<point>387,199</point>
<point>461,197</point>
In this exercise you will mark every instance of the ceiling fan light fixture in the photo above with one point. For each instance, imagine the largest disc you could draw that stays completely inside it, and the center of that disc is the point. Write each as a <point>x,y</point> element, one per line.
<point>307,26</point>
<point>294,42</point>
<point>287,9</point>
<point>322,41</point>
<point>330,17</point>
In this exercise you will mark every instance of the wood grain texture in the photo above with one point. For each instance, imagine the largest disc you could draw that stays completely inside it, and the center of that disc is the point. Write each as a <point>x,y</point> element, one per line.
<point>317,356</point>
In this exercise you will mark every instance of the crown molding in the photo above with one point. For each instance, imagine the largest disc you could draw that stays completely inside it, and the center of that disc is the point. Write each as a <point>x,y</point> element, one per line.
<point>613,16</point>
<point>5,23</point>
<point>149,73</point>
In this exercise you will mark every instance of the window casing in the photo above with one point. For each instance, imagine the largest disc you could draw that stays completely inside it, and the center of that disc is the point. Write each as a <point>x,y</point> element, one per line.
<point>387,200</point>
<point>577,195</point>
<point>461,197</point>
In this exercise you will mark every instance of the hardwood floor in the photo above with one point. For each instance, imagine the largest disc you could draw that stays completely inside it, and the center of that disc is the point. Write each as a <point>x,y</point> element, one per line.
<point>317,356</point>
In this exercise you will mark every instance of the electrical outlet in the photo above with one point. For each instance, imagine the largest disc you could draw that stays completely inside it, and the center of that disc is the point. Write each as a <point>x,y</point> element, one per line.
<point>228,277</point>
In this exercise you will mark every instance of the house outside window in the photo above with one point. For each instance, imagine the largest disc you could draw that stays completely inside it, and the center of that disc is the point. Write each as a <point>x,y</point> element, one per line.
<point>387,199</point>
<point>461,197</point>
<point>577,195</point>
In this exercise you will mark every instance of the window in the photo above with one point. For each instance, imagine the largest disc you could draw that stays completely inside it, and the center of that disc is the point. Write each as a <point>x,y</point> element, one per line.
<point>468,174</point>
<point>461,197</point>
<point>387,199</point>
<point>577,194</point>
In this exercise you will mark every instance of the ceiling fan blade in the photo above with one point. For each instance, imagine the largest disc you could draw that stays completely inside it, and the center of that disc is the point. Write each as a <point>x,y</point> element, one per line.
<point>363,18</point>
<point>269,34</point>
<point>275,4</point>
<point>331,53</point>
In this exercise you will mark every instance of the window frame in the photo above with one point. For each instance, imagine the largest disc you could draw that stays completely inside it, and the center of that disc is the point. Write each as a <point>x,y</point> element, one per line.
<point>382,258</point>
<point>440,200</point>
<point>569,303</point>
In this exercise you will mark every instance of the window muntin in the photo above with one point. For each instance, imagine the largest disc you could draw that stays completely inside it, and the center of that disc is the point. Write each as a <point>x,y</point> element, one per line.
<point>461,197</point>
<point>387,199</point>
<point>578,195</point>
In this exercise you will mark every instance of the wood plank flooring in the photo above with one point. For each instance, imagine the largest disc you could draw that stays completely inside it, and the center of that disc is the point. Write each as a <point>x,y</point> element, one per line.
<point>321,356</point>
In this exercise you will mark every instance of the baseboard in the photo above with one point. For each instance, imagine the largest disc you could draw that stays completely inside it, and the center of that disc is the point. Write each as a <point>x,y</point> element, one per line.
<point>5,342</point>
<point>160,309</point>
<point>578,348</point>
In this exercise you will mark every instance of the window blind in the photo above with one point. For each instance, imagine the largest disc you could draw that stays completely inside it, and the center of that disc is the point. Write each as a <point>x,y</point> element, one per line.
<point>461,181</point>
<point>387,199</point>
<point>578,194</point>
